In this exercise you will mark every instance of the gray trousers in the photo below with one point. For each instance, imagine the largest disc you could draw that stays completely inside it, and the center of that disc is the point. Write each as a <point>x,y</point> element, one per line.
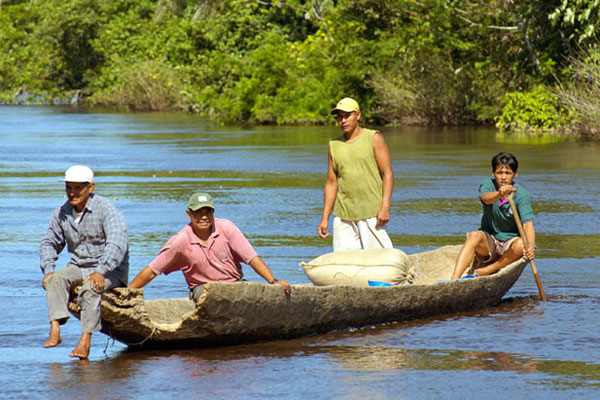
<point>59,287</point>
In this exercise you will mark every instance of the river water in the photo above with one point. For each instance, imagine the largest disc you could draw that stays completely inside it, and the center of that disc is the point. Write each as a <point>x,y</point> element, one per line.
<point>269,180</point>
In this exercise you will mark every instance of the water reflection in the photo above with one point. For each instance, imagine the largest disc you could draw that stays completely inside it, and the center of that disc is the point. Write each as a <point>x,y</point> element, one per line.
<point>192,369</point>
<point>557,374</point>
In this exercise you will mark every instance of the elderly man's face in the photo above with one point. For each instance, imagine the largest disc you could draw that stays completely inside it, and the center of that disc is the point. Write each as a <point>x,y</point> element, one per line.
<point>78,194</point>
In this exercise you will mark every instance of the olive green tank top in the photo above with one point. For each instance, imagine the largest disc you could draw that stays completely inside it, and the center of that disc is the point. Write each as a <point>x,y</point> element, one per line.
<point>359,190</point>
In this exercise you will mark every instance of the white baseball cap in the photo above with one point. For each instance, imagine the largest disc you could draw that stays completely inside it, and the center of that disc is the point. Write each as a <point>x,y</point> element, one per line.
<point>79,173</point>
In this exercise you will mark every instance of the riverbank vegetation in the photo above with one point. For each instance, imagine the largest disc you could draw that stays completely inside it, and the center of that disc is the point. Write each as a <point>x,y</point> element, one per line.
<point>521,64</point>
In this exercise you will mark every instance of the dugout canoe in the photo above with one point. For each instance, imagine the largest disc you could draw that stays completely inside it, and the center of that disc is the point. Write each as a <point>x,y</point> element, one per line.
<point>242,312</point>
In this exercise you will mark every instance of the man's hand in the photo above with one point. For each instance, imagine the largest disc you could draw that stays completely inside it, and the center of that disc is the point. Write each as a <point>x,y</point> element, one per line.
<point>96,281</point>
<point>322,229</point>
<point>529,252</point>
<point>45,280</point>
<point>383,216</point>
<point>505,191</point>
<point>285,284</point>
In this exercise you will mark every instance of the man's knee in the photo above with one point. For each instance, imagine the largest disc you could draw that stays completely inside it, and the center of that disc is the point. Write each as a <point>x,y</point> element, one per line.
<point>64,277</point>
<point>476,237</point>
<point>517,247</point>
<point>57,280</point>
<point>86,293</point>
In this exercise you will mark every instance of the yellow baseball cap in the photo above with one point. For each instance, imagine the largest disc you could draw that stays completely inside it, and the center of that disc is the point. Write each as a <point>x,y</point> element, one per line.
<point>346,104</point>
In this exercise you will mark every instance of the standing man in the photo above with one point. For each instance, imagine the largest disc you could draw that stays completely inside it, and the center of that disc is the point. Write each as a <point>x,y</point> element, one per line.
<point>208,249</point>
<point>95,233</point>
<point>359,184</point>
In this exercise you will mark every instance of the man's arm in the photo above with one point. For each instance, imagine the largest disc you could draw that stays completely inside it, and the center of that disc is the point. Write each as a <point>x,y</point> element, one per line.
<point>502,193</point>
<point>51,246</point>
<point>142,278</point>
<point>115,247</point>
<point>263,270</point>
<point>529,252</point>
<point>117,240</point>
<point>523,205</point>
<point>384,163</point>
<point>329,194</point>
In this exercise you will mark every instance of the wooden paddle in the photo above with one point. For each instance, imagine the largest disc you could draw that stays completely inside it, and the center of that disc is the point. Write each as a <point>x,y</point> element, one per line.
<point>525,245</point>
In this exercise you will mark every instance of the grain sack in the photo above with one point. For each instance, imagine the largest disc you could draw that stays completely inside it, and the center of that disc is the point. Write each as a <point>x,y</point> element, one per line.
<point>357,267</point>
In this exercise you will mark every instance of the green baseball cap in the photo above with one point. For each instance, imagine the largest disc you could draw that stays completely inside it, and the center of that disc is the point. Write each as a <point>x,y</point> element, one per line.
<point>199,200</point>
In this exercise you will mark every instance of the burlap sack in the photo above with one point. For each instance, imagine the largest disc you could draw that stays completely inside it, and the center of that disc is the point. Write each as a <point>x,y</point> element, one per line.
<point>357,267</point>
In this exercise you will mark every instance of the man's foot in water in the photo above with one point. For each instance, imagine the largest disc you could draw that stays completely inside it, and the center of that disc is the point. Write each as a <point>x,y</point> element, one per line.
<point>54,338</point>
<point>83,347</point>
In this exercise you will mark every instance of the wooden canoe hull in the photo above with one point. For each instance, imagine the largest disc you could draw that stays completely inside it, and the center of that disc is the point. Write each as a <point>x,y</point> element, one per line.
<point>244,312</point>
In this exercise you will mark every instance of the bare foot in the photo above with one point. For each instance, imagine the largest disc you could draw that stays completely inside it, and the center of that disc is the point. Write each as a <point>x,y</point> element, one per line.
<point>54,338</point>
<point>83,347</point>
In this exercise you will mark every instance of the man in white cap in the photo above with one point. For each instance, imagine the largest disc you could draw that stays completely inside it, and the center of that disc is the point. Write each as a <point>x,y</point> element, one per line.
<point>359,184</point>
<point>208,249</point>
<point>95,233</point>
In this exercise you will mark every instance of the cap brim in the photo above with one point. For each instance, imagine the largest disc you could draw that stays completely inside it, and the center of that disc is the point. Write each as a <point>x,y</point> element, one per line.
<point>335,110</point>
<point>202,206</point>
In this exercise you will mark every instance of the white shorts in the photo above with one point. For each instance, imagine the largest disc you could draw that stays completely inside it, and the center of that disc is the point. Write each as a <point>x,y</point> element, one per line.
<point>359,235</point>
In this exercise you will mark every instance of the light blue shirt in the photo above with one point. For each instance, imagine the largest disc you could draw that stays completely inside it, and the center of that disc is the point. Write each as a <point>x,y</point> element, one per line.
<point>98,243</point>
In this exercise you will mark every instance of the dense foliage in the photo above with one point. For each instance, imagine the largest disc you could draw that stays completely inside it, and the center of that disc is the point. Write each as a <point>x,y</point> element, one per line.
<point>537,109</point>
<point>288,62</point>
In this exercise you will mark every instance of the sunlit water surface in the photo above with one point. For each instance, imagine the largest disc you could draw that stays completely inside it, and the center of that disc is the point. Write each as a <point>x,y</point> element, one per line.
<point>269,182</point>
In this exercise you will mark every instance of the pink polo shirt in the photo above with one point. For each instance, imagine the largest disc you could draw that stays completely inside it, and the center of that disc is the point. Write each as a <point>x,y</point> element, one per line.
<point>217,262</point>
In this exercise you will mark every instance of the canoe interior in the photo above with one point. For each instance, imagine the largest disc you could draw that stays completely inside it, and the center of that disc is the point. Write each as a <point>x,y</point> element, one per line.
<point>429,268</point>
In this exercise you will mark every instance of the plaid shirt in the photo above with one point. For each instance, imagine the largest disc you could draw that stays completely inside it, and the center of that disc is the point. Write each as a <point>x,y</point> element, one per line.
<point>98,243</point>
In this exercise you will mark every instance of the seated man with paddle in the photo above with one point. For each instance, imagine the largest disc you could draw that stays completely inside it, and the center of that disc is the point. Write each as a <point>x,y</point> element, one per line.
<point>95,233</point>
<point>208,249</point>
<point>497,244</point>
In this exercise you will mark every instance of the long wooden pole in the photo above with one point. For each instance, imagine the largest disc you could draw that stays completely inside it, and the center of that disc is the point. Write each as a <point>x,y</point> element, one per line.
<point>526,245</point>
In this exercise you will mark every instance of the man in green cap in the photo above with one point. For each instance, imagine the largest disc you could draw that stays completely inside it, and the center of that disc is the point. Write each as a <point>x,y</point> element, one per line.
<point>359,184</point>
<point>208,249</point>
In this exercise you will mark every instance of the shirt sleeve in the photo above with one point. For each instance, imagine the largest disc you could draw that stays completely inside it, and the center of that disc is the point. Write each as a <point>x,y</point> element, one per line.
<point>117,242</point>
<point>52,244</point>
<point>487,186</point>
<point>523,204</point>
<point>169,258</point>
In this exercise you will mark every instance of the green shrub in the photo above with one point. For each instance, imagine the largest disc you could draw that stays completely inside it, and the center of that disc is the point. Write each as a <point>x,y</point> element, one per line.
<point>151,85</point>
<point>536,110</point>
